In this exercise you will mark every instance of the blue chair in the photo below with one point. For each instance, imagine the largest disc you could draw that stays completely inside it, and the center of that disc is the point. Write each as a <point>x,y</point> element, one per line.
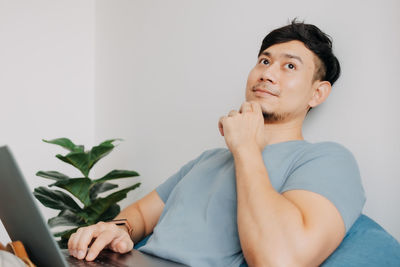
<point>366,244</point>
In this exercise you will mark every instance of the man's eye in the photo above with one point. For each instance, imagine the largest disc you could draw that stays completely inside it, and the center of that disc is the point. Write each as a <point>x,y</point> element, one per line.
<point>290,66</point>
<point>264,61</point>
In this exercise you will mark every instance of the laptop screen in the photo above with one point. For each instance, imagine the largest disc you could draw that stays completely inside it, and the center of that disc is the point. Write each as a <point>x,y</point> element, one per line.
<point>21,217</point>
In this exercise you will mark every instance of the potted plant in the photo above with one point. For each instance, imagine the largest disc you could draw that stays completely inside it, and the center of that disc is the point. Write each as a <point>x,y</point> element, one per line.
<point>92,208</point>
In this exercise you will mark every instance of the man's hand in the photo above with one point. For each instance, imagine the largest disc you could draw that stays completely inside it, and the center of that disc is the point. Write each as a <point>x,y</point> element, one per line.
<point>244,128</point>
<point>104,235</point>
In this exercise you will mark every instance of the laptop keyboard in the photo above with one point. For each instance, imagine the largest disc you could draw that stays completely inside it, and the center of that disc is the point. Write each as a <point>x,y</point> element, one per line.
<point>99,261</point>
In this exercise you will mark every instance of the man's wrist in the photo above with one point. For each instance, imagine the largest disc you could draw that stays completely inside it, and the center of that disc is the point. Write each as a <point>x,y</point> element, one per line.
<point>124,223</point>
<point>245,148</point>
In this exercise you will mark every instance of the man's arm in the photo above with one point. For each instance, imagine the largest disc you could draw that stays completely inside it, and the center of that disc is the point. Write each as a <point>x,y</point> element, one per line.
<point>141,215</point>
<point>296,228</point>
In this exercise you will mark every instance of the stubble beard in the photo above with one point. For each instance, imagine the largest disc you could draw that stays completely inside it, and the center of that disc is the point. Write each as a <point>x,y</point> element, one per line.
<point>272,117</point>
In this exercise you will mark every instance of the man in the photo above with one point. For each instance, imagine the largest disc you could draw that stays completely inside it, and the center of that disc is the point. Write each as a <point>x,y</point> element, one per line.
<point>272,199</point>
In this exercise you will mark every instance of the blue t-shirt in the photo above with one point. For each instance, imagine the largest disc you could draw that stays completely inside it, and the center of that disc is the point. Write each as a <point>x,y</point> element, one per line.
<point>198,225</point>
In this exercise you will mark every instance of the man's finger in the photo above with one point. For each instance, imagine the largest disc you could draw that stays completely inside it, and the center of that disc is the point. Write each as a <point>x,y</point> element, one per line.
<point>246,107</point>
<point>73,242</point>
<point>99,244</point>
<point>122,244</point>
<point>256,107</point>
<point>84,240</point>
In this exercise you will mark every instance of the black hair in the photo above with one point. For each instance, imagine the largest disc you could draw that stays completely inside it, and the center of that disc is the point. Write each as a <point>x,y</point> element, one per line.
<point>315,40</point>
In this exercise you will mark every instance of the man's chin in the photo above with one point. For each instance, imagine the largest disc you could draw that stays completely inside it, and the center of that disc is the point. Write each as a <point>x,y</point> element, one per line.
<point>272,117</point>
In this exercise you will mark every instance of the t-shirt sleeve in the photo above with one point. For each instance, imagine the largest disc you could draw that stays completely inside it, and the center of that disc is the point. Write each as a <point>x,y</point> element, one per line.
<point>330,170</point>
<point>166,187</point>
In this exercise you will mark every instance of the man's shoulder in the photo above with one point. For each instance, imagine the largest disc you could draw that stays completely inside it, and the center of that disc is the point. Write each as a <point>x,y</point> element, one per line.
<point>327,149</point>
<point>328,146</point>
<point>300,148</point>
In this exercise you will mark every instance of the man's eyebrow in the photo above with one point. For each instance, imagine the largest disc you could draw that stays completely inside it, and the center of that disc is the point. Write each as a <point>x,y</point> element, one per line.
<point>293,57</point>
<point>264,53</point>
<point>268,54</point>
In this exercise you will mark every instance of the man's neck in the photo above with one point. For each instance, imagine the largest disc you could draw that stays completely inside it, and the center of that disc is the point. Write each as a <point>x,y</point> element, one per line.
<point>283,131</point>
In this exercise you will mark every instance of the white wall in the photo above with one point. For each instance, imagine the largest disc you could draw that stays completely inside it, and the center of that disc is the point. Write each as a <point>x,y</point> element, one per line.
<point>167,70</point>
<point>46,81</point>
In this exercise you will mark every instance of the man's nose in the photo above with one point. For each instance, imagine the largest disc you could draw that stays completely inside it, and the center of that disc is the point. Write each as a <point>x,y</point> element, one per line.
<point>269,74</point>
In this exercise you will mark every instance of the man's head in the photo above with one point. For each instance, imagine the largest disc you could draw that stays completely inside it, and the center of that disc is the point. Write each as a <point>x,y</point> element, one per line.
<point>294,72</point>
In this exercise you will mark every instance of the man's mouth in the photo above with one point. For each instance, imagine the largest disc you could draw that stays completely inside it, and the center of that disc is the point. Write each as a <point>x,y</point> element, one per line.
<point>264,91</point>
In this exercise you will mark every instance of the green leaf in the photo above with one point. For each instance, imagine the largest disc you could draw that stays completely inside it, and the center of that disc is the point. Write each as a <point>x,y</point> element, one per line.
<point>79,187</point>
<point>79,160</point>
<point>66,143</point>
<point>100,205</point>
<point>54,175</point>
<point>87,218</point>
<point>110,141</point>
<point>55,199</point>
<point>100,188</point>
<point>100,151</point>
<point>110,213</point>
<point>84,161</point>
<point>69,212</point>
<point>116,174</point>
<point>65,218</point>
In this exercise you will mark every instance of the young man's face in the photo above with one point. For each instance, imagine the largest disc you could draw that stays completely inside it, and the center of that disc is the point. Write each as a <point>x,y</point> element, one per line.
<point>282,81</point>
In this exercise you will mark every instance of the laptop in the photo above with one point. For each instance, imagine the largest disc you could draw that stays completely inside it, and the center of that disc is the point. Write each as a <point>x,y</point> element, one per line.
<point>24,222</point>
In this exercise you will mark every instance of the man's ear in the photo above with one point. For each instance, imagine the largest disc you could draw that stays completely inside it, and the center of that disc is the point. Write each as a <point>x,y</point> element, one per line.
<point>321,92</point>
